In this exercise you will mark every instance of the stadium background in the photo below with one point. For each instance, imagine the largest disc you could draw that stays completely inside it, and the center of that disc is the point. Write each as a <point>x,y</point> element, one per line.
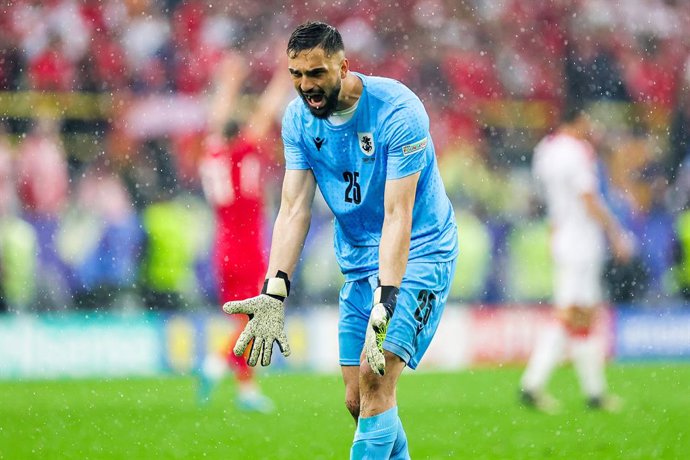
<point>103,107</point>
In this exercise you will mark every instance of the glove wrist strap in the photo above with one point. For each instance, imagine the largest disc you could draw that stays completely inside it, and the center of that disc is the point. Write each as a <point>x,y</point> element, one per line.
<point>277,287</point>
<point>388,296</point>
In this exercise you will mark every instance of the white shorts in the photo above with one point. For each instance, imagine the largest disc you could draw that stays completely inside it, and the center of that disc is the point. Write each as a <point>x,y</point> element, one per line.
<point>577,283</point>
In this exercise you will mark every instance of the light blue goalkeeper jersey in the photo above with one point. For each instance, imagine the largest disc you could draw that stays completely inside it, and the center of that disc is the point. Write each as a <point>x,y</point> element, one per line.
<point>387,138</point>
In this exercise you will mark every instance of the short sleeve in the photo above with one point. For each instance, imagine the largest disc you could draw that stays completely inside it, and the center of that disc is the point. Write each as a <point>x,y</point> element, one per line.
<point>292,143</point>
<point>407,137</point>
<point>584,171</point>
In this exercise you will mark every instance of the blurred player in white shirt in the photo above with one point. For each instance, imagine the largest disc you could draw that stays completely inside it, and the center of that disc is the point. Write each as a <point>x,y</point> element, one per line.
<point>565,167</point>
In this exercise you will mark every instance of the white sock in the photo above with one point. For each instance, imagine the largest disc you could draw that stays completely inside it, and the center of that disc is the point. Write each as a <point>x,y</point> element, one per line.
<point>546,354</point>
<point>248,388</point>
<point>214,366</point>
<point>589,361</point>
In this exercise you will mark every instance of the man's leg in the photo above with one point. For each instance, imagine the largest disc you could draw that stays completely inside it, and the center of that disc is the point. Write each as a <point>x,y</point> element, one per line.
<point>421,301</point>
<point>546,354</point>
<point>235,284</point>
<point>589,360</point>
<point>551,344</point>
<point>249,395</point>
<point>379,426</point>
<point>351,379</point>
<point>355,297</point>
<point>400,450</point>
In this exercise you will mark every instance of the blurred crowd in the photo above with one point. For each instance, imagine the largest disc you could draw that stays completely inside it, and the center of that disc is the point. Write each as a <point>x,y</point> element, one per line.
<point>105,210</point>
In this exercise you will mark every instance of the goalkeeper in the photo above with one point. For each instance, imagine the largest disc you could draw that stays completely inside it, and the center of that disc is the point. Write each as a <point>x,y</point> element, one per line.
<point>365,142</point>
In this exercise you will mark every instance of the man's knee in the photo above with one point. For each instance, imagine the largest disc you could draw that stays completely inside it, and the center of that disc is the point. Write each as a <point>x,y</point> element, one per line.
<point>352,407</point>
<point>372,382</point>
<point>351,380</point>
<point>579,321</point>
<point>377,392</point>
<point>369,381</point>
<point>352,397</point>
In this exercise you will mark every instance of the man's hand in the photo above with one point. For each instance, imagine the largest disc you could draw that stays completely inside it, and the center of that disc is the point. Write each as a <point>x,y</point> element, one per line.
<point>623,246</point>
<point>385,299</point>
<point>266,321</point>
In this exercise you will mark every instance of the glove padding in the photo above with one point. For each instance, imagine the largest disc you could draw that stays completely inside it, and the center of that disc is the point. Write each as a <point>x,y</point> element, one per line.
<point>385,298</point>
<point>266,321</point>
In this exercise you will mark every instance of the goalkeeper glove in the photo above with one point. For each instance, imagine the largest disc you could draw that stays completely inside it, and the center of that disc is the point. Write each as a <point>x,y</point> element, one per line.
<point>266,320</point>
<point>385,298</point>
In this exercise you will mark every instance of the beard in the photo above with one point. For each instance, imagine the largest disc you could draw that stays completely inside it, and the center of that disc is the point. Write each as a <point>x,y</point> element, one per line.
<point>331,102</point>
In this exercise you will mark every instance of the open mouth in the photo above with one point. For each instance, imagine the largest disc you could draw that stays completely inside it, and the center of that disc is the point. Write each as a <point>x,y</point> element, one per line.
<point>316,101</point>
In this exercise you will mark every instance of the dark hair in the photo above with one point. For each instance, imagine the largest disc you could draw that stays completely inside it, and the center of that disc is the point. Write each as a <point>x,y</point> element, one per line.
<point>571,113</point>
<point>230,129</point>
<point>312,34</point>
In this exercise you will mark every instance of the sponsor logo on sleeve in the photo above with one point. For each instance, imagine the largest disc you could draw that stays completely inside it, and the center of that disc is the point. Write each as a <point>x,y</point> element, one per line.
<point>415,147</point>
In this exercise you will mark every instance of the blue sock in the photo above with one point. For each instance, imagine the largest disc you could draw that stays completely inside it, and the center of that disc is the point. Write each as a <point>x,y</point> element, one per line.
<point>400,451</point>
<point>375,436</point>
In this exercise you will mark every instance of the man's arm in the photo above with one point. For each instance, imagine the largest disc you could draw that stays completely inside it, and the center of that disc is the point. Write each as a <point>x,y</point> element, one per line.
<point>394,248</point>
<point>229,78</point>
<point>266,311</point>
<point>620,241</point>
<point>293,221</point>
<point>270,103</point>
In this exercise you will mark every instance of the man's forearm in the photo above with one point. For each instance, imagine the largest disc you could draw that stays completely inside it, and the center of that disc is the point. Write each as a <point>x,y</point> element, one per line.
<point>289,232</point>
<point>394,249</point>
<point>601,213</point>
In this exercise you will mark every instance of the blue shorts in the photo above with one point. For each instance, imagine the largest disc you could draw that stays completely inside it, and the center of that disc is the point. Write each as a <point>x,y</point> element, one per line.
<point>422,298</point>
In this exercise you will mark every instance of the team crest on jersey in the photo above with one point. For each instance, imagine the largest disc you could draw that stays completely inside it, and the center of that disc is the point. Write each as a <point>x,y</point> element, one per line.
<point>366,143</point>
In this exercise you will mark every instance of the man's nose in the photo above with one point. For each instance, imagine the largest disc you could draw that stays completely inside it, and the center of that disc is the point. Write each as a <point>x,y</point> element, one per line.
<point>306,84</point>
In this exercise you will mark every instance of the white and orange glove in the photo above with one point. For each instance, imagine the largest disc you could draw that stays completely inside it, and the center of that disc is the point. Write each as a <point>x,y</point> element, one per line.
<point>266,320</point>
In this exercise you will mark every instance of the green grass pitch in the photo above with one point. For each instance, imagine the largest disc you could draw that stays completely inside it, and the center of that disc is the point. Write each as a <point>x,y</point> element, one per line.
<point>470,414</point>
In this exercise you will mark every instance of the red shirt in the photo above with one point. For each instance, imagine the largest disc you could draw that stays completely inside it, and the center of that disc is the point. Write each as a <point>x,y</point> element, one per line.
<point>232,178</point>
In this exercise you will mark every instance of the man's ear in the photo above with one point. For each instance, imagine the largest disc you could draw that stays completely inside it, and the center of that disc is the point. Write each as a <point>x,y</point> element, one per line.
<point>344,67</point>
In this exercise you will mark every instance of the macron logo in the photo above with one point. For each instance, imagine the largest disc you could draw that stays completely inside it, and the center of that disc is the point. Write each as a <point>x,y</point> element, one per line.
<point>318,142</point>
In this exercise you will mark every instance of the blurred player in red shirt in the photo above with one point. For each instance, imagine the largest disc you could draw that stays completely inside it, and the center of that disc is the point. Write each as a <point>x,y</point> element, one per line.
<point>232,174</point>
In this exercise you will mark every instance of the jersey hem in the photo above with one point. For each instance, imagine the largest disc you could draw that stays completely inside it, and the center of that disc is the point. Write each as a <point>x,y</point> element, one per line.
<point>400,351</point>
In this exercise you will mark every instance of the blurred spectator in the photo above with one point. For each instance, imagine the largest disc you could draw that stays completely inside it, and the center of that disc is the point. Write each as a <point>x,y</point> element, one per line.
<point>319,269</point>
<point>144,39</point>
<point>194,58</point>
<point>51,69</point>
<point>682,254</point>
<point>636,194</point>
<point>42,183</point>
<point>103,67</point>
<point>530,267</point>
<point>6,192</point>
<point>167,275</point>
<point>658,237</point>
<point>472,271</point>
<point>679,131</point>
<point>18,242</point>
<point>10,60</point>
<point>42,170</point>
<point>591,69</point>
<point>651,70</point>
<point>100,239</point>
